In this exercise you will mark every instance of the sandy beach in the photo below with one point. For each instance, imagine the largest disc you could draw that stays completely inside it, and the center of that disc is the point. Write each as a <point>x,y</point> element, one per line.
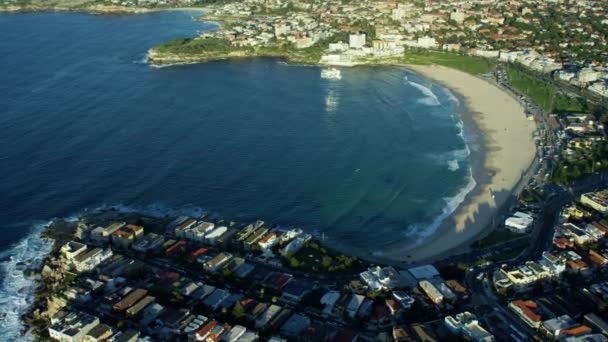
<point>508,150</point>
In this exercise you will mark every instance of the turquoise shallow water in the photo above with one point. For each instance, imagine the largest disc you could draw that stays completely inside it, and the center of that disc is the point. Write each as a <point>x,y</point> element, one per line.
<point>369,160</point>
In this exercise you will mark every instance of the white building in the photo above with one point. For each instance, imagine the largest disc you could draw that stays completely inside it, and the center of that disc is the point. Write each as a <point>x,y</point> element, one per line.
<point>71,249</point>
<point>91,258</point>
<point>356,41</point>
<point>212,236</point>
<point>519,222</point>
<point>431,291</point>
<point>72,327</point>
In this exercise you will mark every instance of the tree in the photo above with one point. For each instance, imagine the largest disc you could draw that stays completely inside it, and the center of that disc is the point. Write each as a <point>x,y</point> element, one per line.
<point>238,311</point>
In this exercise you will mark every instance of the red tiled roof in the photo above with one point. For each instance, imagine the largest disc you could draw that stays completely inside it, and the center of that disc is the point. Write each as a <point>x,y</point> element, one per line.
<point>392,305</point>
<point>266,238</point>
<point>526,307</point>
<point>206,328</point>
<point>134,228</point>
<point>596,258</point>
<point>580,330</point>
<point>199,252</point>
<point>175,246</point>
<point>187,223</point>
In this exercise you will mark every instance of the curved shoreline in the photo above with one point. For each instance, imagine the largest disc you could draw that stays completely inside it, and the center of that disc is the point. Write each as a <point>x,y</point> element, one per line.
<point>504,133</point>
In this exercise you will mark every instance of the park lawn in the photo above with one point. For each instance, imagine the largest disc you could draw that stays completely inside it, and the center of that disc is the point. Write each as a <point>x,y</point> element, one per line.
<point>539,91</point>
<point>316,258</point>
<point>542,92</point>
<point>468,64</point>
<point>495,237</point>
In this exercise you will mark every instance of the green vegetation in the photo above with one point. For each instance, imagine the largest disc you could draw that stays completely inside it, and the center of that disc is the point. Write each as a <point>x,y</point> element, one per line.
<point>495,237</point>
<point>583,162</point>
<point>468,64</point>
<point>315,258</point>
<point>190,46</point>
<point>543,93</point>
<point>530,195</point>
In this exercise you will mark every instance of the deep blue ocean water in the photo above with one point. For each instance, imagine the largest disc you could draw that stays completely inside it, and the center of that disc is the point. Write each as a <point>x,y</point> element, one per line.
<point>373,159</point>
<point>85,122</point>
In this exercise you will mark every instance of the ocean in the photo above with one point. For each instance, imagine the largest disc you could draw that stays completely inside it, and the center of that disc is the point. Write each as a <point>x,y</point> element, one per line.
<point>374,159</point>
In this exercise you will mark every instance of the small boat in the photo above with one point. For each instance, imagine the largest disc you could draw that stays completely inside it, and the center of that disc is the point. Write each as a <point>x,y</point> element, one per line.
<point>331,74</point>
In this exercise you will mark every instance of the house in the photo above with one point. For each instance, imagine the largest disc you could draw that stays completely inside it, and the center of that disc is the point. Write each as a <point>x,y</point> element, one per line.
<point>101,235</point>
<point>357,40</point>
<point>218,262</point>
<point>71,249</point>
<point>90,258</point>
<point>150,243</point>
<point>129,335</point>
<point>129,300</point>
<point>234,334</point>
<point>466,325</point>
<point>597,201</point>
<point>354,304</point>
<point>99,333</point>
<point>526,311</point>
<point>216,298</point>
<point>138,308</point>
<point>72,327</point>
<point>403,299</point>
<point>295,290</point>
<point>378,278</point>
<point>180,229</point>
<point>329,300</point>
<point>519,222</point>
<point>213,236</point>
<point>431,291</point>
<point>126,235</point>
<point>295,325</point>
<point>553,328</point>
<point>268,241</point>
<point>295,245</point>
<point>265,317</point>
<point>255,237</point>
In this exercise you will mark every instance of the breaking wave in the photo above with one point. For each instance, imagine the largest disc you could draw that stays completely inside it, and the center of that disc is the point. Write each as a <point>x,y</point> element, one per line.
<point>16,288</point>
<point>430,98</point>
<point>451,96</point>
<point>420,231</point>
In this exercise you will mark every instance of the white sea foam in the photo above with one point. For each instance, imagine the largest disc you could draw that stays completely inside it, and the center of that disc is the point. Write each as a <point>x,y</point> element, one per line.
<point>16,289</point>
<point>430,98</point>
<point>451,95</point>
<point>453,165</point>
<point>156,210</point>
<point>451,159</point>
<point>421,231</point>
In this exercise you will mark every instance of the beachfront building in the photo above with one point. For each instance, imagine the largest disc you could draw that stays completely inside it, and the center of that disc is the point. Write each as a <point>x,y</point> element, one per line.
<point>357,40</point>
<point>466,325</point>
<point>101,235</point>
<point>295,245</point>
<point>378,278</point>
<point>214,235</point>
<point>526,310</point>
<point>519,222</point>
<point>196,232</point>
<point>596,200</point>
<point>150,242</point>
<point>126,235</point>
<point>90,258</point>
<point>72,327</point>
<point>71,249</point>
